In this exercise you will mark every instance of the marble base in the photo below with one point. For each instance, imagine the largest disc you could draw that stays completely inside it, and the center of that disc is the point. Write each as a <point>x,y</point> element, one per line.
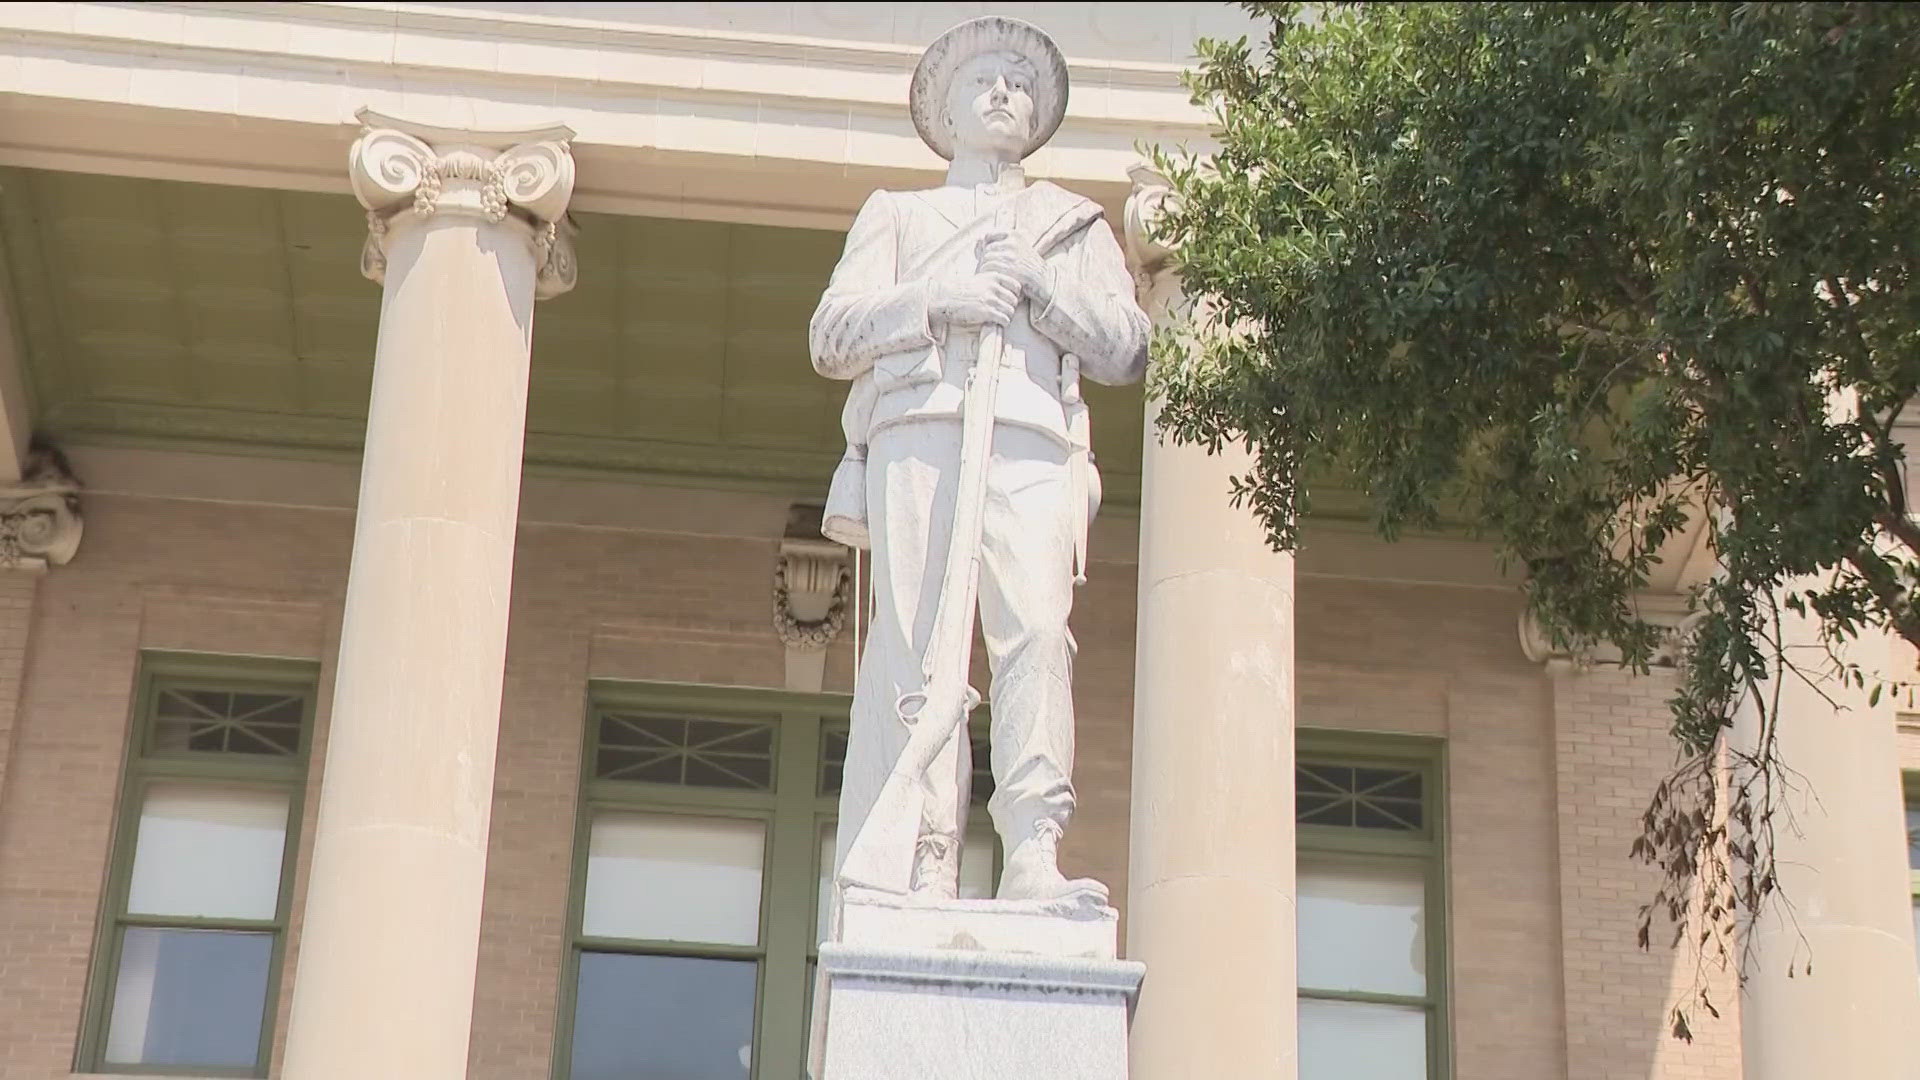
<point>976,990</point>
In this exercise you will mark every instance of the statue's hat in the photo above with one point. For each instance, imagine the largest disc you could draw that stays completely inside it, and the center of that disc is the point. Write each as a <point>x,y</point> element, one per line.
<point>988,33</point>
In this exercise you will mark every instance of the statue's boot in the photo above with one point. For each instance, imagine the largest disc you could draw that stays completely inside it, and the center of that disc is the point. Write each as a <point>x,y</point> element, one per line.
<point>936,867</point>
<point>1032,871</point>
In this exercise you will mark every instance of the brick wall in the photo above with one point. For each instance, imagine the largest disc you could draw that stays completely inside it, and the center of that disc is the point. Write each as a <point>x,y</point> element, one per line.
<point>1611,747</point>
<point>151,574</point>
<point>619,604</point>
<point>1446,662</point>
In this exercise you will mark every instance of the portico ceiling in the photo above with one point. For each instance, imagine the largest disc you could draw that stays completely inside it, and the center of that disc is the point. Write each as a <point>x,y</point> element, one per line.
<point>236,318</point>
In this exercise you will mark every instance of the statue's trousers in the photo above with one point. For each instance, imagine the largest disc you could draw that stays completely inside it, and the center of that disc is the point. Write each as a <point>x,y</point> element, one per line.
<point>1026,593</point>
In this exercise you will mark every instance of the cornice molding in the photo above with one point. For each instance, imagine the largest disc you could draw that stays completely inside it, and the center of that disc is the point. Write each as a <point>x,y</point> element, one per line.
<point>510,25</point>
<point>726,126</point>
<point>180,427</point>
<point>880,62</point>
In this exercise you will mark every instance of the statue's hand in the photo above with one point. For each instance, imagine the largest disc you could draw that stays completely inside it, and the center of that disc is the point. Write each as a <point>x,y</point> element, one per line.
<point>1008,254</point>
<point>977,300</point>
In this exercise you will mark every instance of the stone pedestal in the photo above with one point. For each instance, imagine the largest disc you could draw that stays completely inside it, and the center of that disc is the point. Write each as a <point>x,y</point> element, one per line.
<point>976,990</point>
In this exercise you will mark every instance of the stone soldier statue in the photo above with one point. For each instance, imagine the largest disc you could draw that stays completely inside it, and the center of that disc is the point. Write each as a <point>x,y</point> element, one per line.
<point>981,302</point>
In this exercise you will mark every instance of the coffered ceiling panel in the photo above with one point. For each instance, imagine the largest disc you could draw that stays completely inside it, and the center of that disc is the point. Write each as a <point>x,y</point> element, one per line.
<point>155,311</point>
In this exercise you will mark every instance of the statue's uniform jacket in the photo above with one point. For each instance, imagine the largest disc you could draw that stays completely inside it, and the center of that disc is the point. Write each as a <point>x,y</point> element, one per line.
<point>873,326</point>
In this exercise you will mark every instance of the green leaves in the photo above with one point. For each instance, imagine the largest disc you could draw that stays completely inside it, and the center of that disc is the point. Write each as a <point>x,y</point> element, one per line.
<point>1590,276</point>
<point>1546,265</point>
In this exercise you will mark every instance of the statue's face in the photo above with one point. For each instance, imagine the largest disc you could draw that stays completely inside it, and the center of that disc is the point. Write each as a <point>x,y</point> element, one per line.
<point>990,105</point>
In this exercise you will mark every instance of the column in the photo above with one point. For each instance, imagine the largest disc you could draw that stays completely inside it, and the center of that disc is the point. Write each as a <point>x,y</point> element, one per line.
<point>1210,886</point>
<point>465,230</point>
<point>1843,869</point>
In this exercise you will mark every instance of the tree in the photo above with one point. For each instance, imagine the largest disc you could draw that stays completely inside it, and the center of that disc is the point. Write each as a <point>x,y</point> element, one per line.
<point>1583,276</point>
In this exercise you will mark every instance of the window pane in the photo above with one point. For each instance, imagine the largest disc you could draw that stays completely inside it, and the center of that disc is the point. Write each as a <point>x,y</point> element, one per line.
<point>833,760</point>
<point>684,751</point>
<point>189,998</point>
<point>1362,927</point>
<point>208,851</point>
<point>669,877</point>
<point>824,870</point>
<point>1363,798</point>
<point>227,722</point>
<point>663,1018</point>
<point>1346,1040</point>
<point>1913,835</point>
<point>979,858</point>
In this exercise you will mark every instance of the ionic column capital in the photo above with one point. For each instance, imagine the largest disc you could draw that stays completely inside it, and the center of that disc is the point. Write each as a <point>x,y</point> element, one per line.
<point>1666,610</point>
<point>399,168</point>
<point>40,522</point>
<point>1148,256</point>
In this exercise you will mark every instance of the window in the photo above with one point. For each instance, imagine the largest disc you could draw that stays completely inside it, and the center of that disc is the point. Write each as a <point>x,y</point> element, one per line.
<point>187,962</point>
<point>1371,912</point>
<point>1912,782</point>
<point>705,830</point>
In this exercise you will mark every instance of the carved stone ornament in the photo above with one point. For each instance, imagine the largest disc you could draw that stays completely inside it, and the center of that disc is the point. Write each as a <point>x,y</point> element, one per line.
<point>40,523</point>
<point>1156,282</point>
<point>1147,255</point>
<point>812,593</point>
<point>523,177</point>
<point>1666,610</point>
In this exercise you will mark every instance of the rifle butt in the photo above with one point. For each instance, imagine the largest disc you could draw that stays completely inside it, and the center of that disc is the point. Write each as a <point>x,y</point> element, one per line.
<point>881,855</point>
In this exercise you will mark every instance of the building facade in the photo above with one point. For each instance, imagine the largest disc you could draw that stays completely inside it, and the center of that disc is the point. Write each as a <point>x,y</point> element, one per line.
<point>505,686</point>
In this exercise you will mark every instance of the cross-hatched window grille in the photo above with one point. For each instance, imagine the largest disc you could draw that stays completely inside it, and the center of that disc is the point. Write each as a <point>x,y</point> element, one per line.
<point>1360,796</point>
<point>221,720</point>
<point>1371,909</point>
<point>705,841</point>
<point>691,751</point>
<point>187,958</point>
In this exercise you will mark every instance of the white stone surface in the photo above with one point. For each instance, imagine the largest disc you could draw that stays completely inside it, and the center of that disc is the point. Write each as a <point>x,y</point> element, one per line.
<point>1068,928</point>
<point>1210,881</point>
<point>965,317</point>
<point>1830,986</point>
<point>390,941</point>
<point>956,1014</point>
<point>40,523</point>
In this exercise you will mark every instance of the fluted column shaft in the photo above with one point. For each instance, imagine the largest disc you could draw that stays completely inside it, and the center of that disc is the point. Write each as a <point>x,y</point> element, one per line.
<point>463,233</point>
<point>1210,884</point>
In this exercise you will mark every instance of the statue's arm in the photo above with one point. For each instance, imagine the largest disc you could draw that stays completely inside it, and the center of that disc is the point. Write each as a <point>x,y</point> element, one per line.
<point>866,312</point>
<point>1092,312</point>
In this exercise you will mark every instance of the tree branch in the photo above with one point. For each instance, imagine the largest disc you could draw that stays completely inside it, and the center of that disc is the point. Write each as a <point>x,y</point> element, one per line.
<point>1879,578</point>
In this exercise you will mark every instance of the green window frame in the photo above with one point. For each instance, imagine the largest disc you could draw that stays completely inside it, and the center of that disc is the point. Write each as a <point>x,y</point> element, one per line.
<point>202,726</point>
<point>1391,818</point>
<point>1910,786</point>
<point>629,766</point>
